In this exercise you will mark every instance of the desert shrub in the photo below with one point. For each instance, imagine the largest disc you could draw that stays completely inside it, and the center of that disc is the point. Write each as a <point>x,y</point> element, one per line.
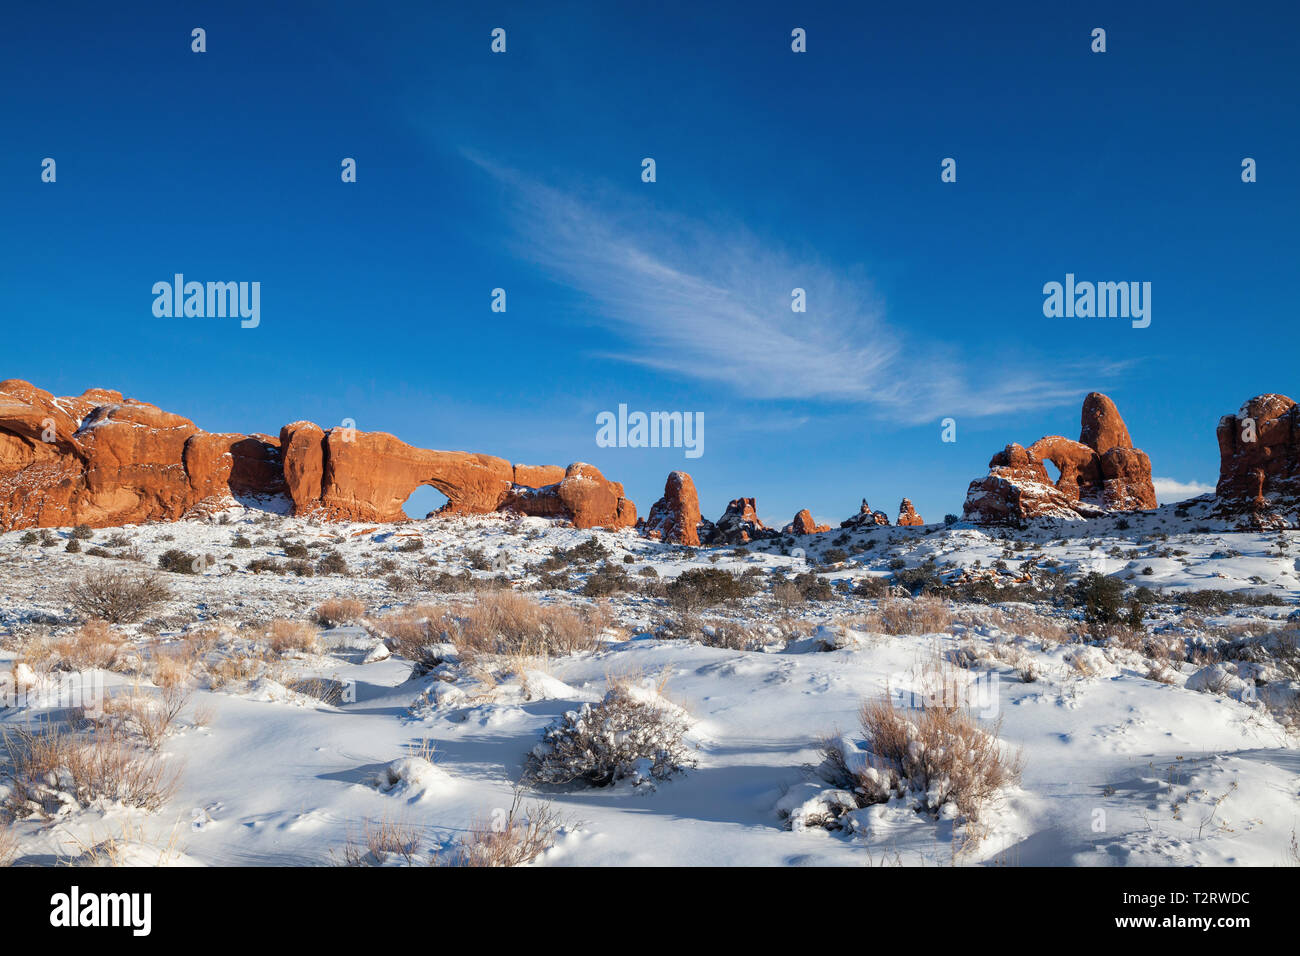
<point>787,593</point>
<point>871,587</point>
<point>82,532</point>
<point>331,562</point>
<point>701,587</point>
<point>606,580</point>
<point>240,541</point>
<point>834,556</point>
<point>410,545</point>
<point>1219,601</point>
<point>74,546</point>
<point>268,565</point>
<point>445,582</point>
<point>553,580</point>
<point>718,632</point>
<point>293,549</point>
<point>338,611</point>
<point>589,552</point>
<point>812,587</point>
<point>628,734</point>
<point>1102,598</point>
<point>29,538</point>
<point>117,597</point>
<point>922,579</point>
<point>179,562</point>
<point>299,568</point>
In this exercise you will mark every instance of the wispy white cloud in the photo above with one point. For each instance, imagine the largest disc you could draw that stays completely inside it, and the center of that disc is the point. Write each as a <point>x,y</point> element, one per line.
<point>713,304</point>
<point>1168,490</point>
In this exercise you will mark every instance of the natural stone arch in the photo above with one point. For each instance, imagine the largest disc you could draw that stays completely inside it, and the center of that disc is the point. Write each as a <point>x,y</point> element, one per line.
<point>1080,476</point>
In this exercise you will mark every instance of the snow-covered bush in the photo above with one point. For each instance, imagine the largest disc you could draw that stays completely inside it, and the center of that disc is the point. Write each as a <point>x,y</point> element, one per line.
<point>631,733</point>
<point>118,597</point>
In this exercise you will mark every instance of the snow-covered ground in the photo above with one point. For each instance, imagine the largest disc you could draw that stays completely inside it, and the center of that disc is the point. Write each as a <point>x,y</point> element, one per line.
<point>1147,747</point>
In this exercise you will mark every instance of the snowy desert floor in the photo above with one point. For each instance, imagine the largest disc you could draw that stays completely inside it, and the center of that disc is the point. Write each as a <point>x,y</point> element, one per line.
<point>307,693</point>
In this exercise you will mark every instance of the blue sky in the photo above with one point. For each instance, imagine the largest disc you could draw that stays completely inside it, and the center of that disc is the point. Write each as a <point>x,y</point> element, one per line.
<point>775,170</point>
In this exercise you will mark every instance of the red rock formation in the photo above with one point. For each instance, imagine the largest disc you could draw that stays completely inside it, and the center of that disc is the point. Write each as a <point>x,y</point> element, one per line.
<point>583,496</point>
<point>739,523</point>
<point>803,524</point>
<point>103,460</point>
<point>866,518</point>
<point>676,516</point>
<point>1259,464</point>
<point>907,516</point>
<point>1100,473</point>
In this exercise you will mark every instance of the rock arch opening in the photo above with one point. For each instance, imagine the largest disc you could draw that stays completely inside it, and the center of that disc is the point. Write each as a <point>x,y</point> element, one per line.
<point>423,501</point>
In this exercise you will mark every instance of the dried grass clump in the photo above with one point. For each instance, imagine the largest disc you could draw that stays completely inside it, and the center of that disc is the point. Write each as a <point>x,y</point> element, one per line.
<point>938,752</point>
<point>337,611</point>
<point>1024,622</point>
<point>119,597</point>
<point>101,763</point>
<point>173,669</point>
<point>507,622</point>
<point>514,838</point>
<point>974,654</point>
<point>149,716</point>
<point>283,636</point>
<point>93,645</point>
<point>8,844</point>
<point>382,840</point>
<point>922,615</point>
<point>236,669</point>
<point>504,623</point>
